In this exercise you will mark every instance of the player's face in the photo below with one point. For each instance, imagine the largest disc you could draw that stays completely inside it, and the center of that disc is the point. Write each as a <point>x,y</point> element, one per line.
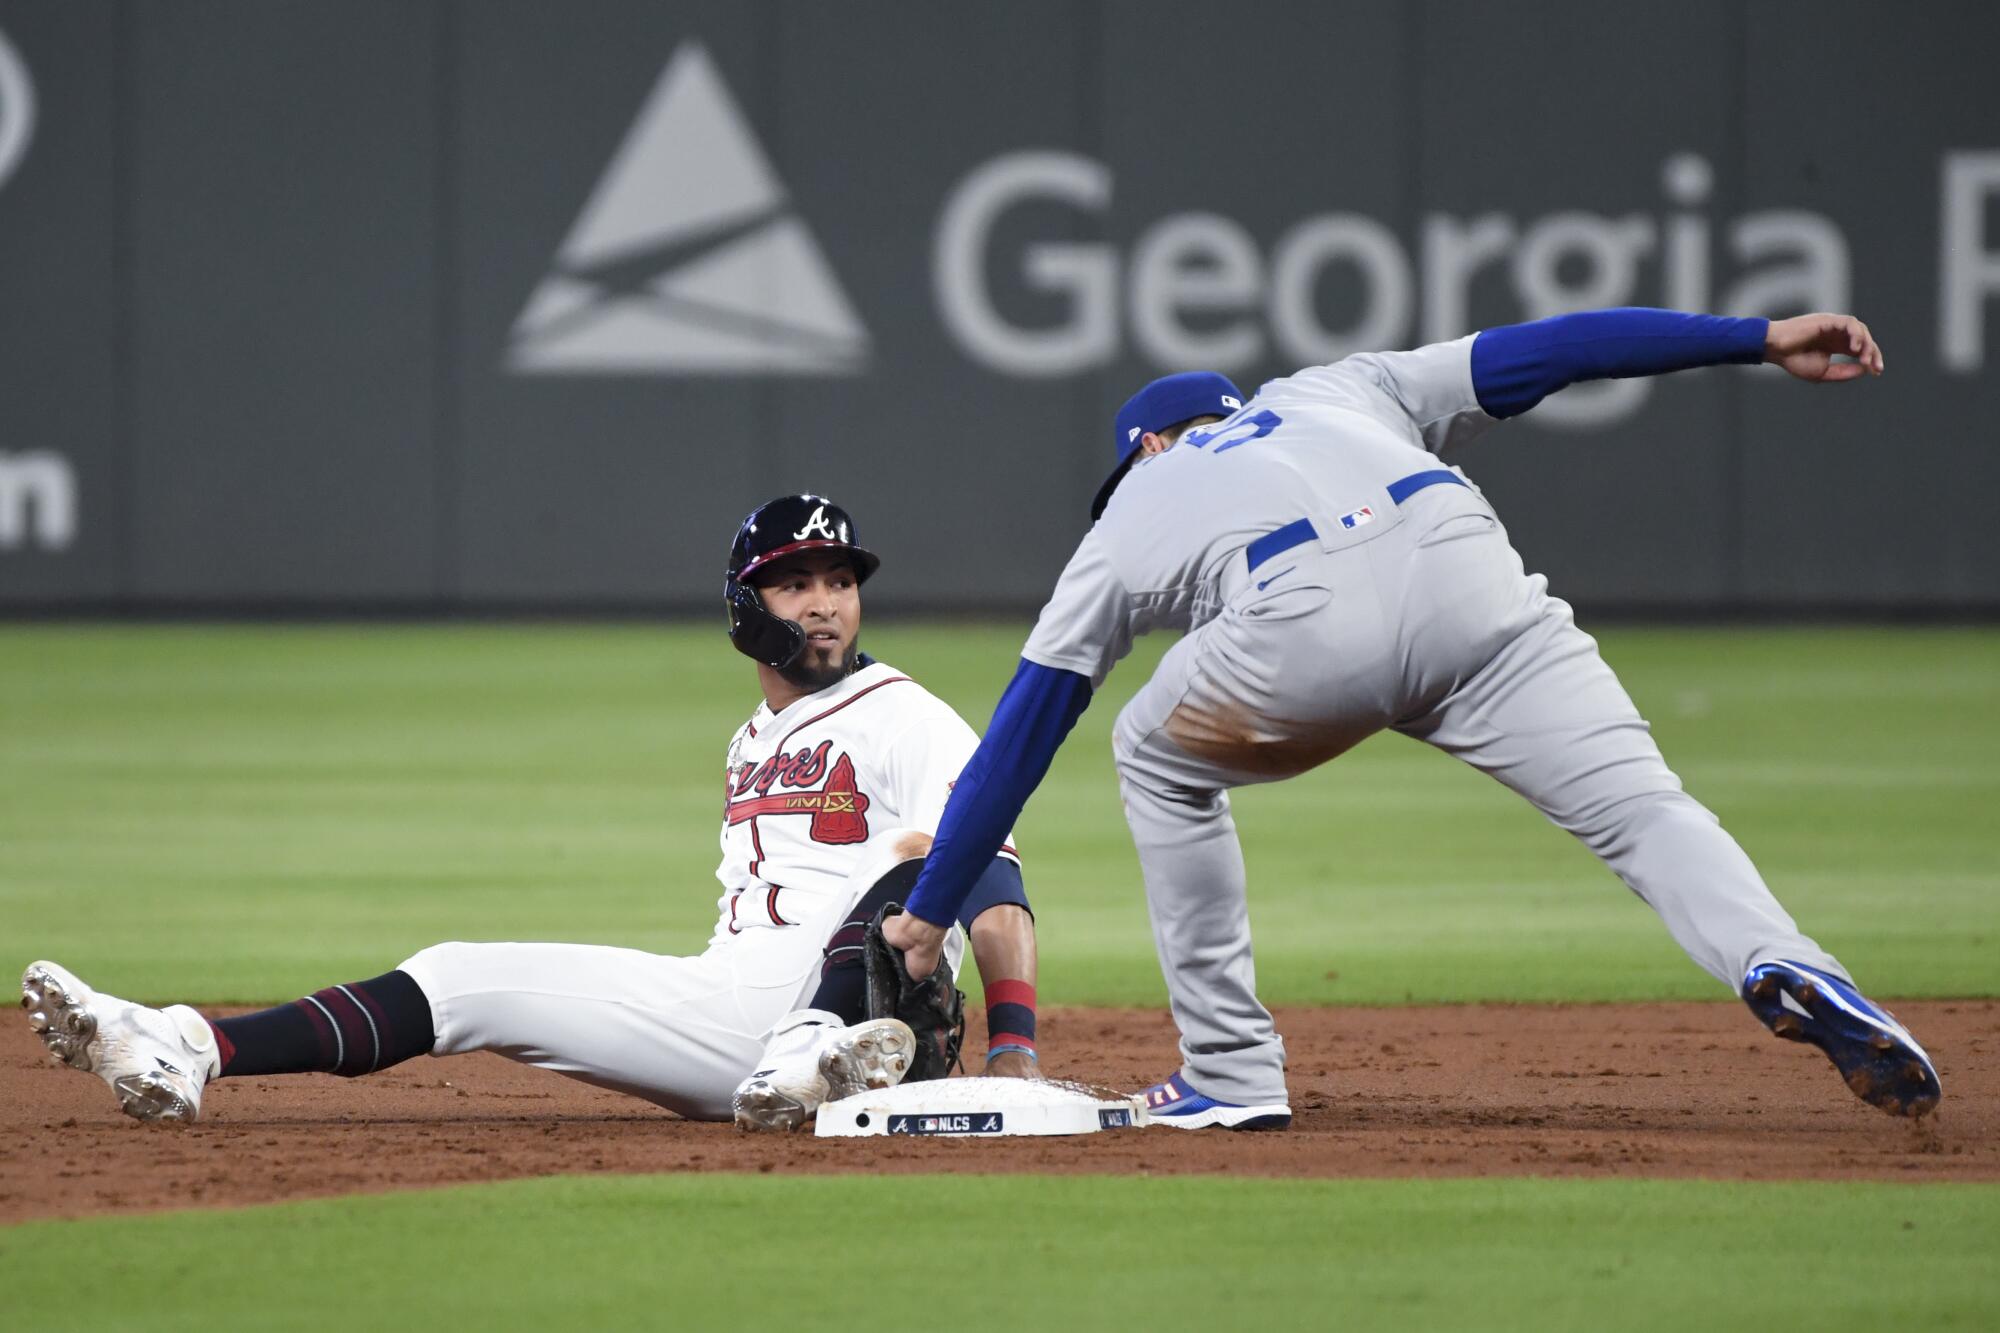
<point>818,589</point>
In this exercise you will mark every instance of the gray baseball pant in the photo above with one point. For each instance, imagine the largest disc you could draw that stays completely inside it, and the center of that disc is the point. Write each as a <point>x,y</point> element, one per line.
<point>1431,628</point>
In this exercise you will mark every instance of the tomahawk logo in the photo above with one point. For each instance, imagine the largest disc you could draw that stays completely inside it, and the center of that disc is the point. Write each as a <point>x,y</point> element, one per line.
<point>687,259</point>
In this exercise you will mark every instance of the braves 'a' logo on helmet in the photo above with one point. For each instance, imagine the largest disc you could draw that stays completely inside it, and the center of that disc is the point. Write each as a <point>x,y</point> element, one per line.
<point>817,524</point>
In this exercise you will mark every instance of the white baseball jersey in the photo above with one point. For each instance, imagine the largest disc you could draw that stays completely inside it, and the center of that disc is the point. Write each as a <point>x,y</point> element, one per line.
<point>819,803</point>
<point>809,790</point>
<point>1322,444</point>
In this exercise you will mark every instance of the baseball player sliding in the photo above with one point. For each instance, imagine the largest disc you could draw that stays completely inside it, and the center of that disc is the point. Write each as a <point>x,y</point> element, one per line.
<point>1336,580</point>
<point>832,789</point>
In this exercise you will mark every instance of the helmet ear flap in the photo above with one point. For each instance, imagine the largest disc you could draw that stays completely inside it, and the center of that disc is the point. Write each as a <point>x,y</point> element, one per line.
<point>757,633</point>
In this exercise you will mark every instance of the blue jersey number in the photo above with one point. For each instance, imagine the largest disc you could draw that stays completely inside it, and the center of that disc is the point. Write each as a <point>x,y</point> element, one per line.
<point>1239,429</point>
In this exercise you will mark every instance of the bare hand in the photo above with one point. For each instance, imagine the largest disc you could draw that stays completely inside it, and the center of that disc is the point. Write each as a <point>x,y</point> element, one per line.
<point>1011,1064</point>
<point>921,942</point>
<point>1806,345</point>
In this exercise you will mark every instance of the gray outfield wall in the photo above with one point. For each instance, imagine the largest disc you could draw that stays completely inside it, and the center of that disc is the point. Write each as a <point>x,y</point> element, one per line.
<point>498,304</point>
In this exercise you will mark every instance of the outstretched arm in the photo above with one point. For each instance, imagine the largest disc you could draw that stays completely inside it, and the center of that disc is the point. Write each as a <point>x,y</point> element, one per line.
<point>1515,366</point>
<point>1085,628</point>
<point>1033,717</point>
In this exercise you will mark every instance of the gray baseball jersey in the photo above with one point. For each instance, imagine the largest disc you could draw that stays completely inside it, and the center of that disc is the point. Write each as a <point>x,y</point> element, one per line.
<point>1335,581</point>
<point>1324,444</point>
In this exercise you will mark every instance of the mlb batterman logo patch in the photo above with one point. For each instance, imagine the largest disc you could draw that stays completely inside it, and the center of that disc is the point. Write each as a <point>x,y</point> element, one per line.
<point>1360,518</point>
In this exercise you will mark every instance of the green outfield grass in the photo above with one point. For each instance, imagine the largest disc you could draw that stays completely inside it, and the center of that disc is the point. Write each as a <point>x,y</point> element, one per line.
<point>736,1252</point>
<point>248,813</point>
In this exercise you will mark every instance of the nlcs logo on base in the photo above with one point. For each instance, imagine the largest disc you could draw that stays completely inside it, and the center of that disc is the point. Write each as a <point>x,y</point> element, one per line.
<point>975,1122</point>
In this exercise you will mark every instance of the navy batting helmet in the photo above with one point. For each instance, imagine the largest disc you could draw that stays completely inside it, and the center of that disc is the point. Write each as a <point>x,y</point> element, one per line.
<point>778,528</point>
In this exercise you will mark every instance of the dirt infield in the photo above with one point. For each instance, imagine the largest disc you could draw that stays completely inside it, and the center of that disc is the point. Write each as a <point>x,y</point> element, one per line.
<point>1591,1090</point>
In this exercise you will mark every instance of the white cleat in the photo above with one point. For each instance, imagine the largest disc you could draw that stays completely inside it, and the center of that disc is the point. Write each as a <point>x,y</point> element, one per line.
<point>812,1058</point>
<point>867,1056</point>
<point>156,1060</point>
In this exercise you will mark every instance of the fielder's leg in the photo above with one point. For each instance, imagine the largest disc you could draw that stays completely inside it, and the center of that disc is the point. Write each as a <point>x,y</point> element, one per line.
<point>1196,893</point>
<point>1247,698</point>
<point>1547,717</point>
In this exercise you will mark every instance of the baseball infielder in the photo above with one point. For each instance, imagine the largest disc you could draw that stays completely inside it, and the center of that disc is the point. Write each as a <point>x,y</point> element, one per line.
<point>831,791</point>
<point>1335,580</point>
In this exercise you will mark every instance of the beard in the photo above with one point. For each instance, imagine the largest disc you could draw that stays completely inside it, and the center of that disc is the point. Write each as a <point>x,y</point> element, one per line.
<point>816,669</point>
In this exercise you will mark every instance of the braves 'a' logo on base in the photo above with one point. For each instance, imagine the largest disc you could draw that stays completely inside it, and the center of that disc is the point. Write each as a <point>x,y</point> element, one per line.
<point>839,809</point>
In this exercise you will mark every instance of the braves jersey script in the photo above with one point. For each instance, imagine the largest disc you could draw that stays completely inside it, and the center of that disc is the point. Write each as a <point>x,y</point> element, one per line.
<point>807,790</point>
<point>1321,444</point>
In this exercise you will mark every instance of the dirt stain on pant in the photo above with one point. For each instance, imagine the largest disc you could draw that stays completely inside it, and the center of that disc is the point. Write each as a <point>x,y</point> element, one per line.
<point>1231,737</point>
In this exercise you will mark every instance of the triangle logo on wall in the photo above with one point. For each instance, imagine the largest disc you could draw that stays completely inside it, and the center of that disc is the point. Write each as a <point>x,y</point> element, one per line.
<point>688,259</point>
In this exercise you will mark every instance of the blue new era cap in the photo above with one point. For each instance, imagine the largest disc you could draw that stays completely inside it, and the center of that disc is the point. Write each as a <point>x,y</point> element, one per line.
<point>1165,402</point>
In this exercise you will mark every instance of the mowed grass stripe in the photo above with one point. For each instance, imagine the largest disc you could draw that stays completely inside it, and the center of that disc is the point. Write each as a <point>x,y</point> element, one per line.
<point>246,813</point>
<point>980,1252</point>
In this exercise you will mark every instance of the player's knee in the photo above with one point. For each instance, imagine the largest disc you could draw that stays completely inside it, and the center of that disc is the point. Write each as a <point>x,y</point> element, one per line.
<point>908,844</point>
<point>1002,919</point>
<point>900,847</point>
<point>1128,757</point>
<point>901,844</point>
<point>1606,825</point>
<point>1127,734</point>
<point>434,969</point>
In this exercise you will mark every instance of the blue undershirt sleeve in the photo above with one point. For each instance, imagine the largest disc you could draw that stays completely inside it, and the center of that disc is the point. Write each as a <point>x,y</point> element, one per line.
<point>1033,716</point>
<point>1517,365</point>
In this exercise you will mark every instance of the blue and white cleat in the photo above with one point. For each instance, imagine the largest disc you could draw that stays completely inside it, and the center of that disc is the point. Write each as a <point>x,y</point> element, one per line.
<point>1176,1103</point>
<point>1877,1056</point>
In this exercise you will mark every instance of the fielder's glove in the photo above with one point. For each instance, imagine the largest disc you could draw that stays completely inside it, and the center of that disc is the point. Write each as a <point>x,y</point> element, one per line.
<point>932,1006</point>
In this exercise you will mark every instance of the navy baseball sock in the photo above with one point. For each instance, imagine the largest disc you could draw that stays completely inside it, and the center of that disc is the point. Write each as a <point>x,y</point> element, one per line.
<point>843,977</point>
<point>1010,1018</point>
<point>349,1030</point>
